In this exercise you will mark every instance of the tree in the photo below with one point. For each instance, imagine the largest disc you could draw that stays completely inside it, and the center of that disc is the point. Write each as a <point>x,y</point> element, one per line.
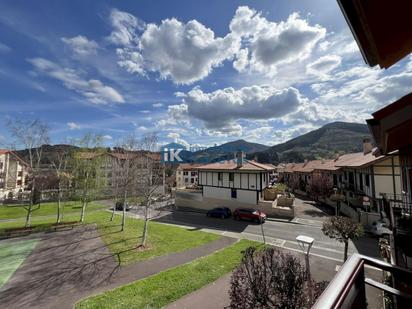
<point>125,172</point>
<point>60,165</point>
<point>31,135</point>
<point>320,185</point>
<point>150,177</point>
<point>86,164</point>
<point>269,278</point>
<point>342,229</point>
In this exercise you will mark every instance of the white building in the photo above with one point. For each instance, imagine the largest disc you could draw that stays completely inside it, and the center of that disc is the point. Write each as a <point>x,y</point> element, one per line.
<point>234,183</point>
<point>13,174</point>
<point>187,175</point>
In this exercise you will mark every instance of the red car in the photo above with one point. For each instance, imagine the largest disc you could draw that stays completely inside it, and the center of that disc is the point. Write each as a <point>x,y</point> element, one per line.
<point>249,214</point>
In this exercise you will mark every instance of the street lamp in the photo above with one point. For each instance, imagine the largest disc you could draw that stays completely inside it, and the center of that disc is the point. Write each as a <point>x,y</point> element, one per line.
<point>305,243</point>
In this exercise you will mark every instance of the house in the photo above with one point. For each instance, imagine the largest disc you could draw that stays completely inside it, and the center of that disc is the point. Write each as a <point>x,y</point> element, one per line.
<point>187,175</point>
<point>236,183</point>
<point>13,174</point>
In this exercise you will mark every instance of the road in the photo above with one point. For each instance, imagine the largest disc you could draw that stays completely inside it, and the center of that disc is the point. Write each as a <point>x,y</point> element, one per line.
<point>278,233</point>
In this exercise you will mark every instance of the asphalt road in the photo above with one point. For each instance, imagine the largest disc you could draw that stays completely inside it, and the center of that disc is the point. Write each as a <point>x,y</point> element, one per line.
<point>279,233</point>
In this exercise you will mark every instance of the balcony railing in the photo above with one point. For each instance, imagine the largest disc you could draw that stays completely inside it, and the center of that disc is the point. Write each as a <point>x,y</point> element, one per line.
<point>347,289</point>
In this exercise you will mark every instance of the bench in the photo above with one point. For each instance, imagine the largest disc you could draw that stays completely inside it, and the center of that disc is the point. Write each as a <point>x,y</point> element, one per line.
<point>20,231</point>
<point>63,225</point>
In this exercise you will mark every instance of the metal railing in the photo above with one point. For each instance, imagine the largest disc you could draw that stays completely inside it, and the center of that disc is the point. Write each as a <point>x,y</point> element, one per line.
<point>347,289</point>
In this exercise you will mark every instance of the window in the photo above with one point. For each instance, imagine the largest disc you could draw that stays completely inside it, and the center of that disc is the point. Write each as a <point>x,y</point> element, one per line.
<point>367,183</point>
<point>231,177</point>
<point>361,181</point>
<point>19,182</point>
<point>193,173</point>
<point>335,179</point>
<point>220,176</point>
<point>192,180</point>
<point>185,173</point>
<point>186,180</point>
<point>351,178</point>
<point>233,193</point>
<point>1,165</point>
<point>20,173</point>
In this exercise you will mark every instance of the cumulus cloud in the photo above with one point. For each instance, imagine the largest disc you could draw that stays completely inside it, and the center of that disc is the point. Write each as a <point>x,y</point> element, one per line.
<point>94,90</point>
<point>322,66</point>
<point>81,45</point>
<point>73,126</point>
<point>223,106</point>
<point>183,52</point>
<point>177,139</point>
<point>274,43</point>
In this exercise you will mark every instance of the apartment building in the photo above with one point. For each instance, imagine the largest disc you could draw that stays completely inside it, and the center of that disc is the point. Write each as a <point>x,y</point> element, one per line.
<point>187,175</point>
<point>13,174</point>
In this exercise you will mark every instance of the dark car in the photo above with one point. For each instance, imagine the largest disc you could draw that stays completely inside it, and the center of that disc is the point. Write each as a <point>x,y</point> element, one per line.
<point>249,214</point>
<point>119,206</point>
<point>220,212</point>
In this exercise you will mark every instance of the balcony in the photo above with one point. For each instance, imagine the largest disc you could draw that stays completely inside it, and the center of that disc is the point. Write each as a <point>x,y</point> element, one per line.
<point>347,289</point>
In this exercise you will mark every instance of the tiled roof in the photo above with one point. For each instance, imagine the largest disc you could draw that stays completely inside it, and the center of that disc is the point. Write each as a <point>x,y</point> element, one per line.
<point>354,160</point>
<point>189,166</point>
<point>248,165</point>
<point>4,151</point>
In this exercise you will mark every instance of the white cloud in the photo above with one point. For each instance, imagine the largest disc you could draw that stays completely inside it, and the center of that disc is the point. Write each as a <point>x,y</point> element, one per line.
<point>107,137</point>
<point>81,45</point>
<point>125,26</point>
<point>219,109</point>
<point>274,43</point>
<point>182,52</point>
<point>94,90</point>
<point>157,105</point>
<point>324,65</point>
<point>177,139</point>
<point>73,126</point>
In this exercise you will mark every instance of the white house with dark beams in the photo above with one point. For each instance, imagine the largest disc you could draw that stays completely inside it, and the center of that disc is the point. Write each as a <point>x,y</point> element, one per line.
<point>234,182</point>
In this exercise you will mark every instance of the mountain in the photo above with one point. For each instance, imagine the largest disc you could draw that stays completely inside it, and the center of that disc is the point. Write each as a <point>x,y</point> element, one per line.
<point>223,152</point>
<point>325,142</point>
<point>49,153</point>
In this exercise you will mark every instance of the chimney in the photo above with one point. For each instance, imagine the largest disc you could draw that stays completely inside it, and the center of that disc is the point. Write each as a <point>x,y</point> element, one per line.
<point>239,158</point>
<point>367,146</point>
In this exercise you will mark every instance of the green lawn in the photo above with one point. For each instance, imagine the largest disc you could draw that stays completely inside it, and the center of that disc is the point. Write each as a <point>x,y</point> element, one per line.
<point>12,254</point>
<point>163,288</point>
<point>163,239</point>
<point>46,209</point>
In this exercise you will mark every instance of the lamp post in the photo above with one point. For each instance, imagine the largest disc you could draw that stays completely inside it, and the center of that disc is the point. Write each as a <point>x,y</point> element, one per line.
<point>305,243</point>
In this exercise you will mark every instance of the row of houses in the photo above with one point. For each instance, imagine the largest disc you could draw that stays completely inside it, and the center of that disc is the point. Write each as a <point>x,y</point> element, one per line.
<point>363,178</point>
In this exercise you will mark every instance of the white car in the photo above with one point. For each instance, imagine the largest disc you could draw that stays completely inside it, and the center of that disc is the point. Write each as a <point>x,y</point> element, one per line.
<point>380,228</point>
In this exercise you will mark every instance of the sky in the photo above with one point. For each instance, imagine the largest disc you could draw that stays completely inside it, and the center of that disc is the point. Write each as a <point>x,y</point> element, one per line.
<point>193,72</point>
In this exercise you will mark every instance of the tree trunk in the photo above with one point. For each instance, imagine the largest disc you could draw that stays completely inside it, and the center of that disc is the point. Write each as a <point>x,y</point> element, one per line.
<point>30,210</point>
<point>146,222</point>
<point>345,257</point>
<point>58,204</point>
<point>124,210</point>
<point>115,201</point>
<point>83,207</point>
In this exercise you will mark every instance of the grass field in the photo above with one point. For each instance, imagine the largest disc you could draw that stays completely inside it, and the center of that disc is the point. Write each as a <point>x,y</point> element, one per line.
<point>163,288</point>
<point>162,239</point>
<point>46,209</point>
<point>12,255</point>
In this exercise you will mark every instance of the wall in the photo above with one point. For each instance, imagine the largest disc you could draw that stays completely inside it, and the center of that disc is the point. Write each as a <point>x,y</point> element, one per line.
<point>241,180</point>
<point>243,196</point>
<point>387,176</point>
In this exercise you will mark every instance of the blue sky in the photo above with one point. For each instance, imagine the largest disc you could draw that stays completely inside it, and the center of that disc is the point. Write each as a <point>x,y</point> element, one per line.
<point>196,72</point>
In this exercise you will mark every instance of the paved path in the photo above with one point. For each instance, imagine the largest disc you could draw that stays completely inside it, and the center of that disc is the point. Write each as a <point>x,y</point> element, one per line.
<point>68,266</point>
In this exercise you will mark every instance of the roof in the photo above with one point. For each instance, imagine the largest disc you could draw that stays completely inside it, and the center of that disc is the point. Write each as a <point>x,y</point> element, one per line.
<point>248,165</point>
<point>351,160</point>
<point>189,166</point>
<point>7,151</point>
<point>381,28</point>
<point>4,151</point>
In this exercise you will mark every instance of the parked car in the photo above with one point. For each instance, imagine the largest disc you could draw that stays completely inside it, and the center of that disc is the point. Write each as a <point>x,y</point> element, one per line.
<point>249,214</point>
<point>119,206</point>
<point>220,212</point>
<point>380,228</point>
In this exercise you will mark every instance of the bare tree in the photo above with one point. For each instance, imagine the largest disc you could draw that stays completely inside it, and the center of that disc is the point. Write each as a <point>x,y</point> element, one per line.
<point>320,185</point>
<point>63,176</point>
<point>342,229</point>
<point>125,173</point>
<point>87,161</point>
<point>31,135</point>
<point>150,177</point>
